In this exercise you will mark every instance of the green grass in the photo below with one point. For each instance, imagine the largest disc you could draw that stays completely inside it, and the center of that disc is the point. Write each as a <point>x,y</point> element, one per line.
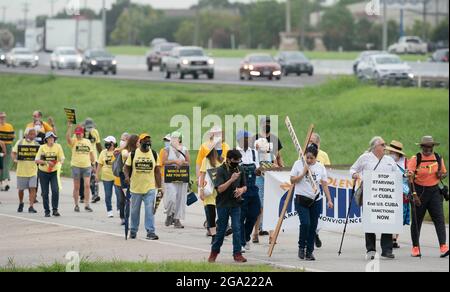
<point>227,53</point>
<point>346,113</point>
<point>119,266</point>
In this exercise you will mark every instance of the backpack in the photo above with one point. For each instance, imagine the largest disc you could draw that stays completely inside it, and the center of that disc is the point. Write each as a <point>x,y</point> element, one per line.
<point>419,160</point>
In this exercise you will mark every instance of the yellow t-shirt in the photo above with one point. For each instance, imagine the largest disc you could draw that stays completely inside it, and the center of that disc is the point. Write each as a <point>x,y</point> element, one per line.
<point>105,161</point>
<point>81,150</point>
<point>323,158</point>
<point>211,200</point>
<point>25,168</point>
<point>204,150</point>
<point>7,134</point>
<point>54,153</point>
<point>45,127</point>
<point>143,176</point>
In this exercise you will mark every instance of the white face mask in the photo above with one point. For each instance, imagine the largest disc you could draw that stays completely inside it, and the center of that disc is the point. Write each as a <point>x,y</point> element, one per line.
<point>166,144</point>
<point>217,140</point>
<point>123,144</point>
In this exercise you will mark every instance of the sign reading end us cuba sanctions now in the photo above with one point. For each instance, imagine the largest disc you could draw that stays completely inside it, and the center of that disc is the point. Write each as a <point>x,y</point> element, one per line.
<point>383,202</point>
<point>176,174</point>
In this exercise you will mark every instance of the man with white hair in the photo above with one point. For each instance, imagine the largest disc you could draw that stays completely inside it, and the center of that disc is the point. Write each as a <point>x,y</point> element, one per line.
<point>26,171</point>
<point>375,159</point>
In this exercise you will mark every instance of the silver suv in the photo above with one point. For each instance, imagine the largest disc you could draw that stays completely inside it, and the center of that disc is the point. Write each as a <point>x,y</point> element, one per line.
<point>189,61</point>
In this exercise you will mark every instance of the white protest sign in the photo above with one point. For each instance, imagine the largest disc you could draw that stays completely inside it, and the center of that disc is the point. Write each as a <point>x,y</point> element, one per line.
<point>383,202</point>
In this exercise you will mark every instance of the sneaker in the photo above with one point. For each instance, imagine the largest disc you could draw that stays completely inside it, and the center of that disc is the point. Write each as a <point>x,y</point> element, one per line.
<point>212,257</point>
<point>238,258</point>
<point>444,251</point>
<point>370,256</point>
<point>133,235</point>
<point>317,241</point>
<point>152,236</point>
<point>301,254</point>
<point>95,199</point>
<point>310,257</point>
<point>396,245</point>
<point>415,252</point>
<point>169,220</point>
<point>388,255</point>
<point>247,246</point>
<point>242,249</point>
<point>20,209</point>
<point>255,239</point>
<point>110,214</point>
<point>88,209</point>
<point>213,237</point>
<point>77,209</point>
<point>263,233</point>
<point>7,188</point>
<point>178,225</point>
<point>31,210</point>
<point>56,213</point>
<point>47,214</point>
<point>122,222</point>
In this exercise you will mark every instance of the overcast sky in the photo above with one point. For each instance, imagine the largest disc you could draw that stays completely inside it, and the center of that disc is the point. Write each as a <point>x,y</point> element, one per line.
<point>14,8</point>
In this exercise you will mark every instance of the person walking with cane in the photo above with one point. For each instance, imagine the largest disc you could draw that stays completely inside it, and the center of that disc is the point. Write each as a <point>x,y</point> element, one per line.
<point>375,160</point>
<point>426,170</point>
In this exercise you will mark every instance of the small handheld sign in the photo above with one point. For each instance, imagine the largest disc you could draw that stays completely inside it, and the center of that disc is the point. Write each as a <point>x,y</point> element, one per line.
<point>27,153</point>
<point>71,115</point>
<point>174,174</point>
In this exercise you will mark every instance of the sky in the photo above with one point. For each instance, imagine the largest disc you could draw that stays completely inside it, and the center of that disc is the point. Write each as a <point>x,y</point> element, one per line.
<point>14,8</point>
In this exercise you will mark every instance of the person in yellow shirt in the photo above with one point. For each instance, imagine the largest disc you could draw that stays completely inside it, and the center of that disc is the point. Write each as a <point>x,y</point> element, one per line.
<point>142,173</point>
<point>82,164</point>
<point>216,135</point>
<point>26,171</point>
<point>7,136</point>
<point>211,161</point>
<point>105,162</point>
<point>42,127</point>
<point>48,157</point>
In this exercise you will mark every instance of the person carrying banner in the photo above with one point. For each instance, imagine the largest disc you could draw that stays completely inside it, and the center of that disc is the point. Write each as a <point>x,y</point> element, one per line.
<point>208,193</point>
<point>105,162</point>
<point>323,158</point>
<point>142,173</point>
<point>375,160</point>
<point>42,127</point>
<point>176,155</point>
<point>49,155</point>
<point>251,204</point>
<point>7,136</point>
<point>308,203</point>
<point>83,161</point>
<point>269,150</point>
<point>231,185</point>
<point>427,169</point>
<point>27,171</point>
<point>395,150</point>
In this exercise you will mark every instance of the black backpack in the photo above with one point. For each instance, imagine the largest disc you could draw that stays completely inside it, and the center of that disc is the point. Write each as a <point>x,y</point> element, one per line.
<point>419,160</point>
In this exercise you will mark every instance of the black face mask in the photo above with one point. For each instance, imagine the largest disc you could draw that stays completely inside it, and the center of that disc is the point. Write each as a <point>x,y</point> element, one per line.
<point>145,146</point>
<point>107,145</point>
<point>234,165</point>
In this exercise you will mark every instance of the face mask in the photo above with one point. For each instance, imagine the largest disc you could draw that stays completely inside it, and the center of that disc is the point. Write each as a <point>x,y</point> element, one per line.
<point>107,145</point>
<point>394,156</point>
<point>217,140</point>
<point>123,144</point>
<point>145,146</point>
<point>234,165</point>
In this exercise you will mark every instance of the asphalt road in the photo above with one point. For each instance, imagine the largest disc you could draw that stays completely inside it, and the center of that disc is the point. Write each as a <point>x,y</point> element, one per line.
<point>30,239</point>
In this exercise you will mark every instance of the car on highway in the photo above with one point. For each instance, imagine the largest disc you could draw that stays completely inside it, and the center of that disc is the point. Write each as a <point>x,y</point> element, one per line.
<point>294,62</point>
<point>22,57</point>
<point>189,61</point>
<point>65,58</point>
<point>259,65</point>
<point>361,56</point>
<point>440,56</point>
<point>409,45</point>
<point>155,56</point>
<point>157,41</point>
<point>2,57</point>
<point>382,67</point>
<point>98,60</point>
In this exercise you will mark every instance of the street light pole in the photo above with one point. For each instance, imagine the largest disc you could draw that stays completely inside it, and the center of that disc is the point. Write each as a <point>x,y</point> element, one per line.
<point>385,26</point>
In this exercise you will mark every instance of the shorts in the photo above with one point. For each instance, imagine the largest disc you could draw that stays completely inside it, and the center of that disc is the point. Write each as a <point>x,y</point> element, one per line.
<point>78,173</point>
<point>25,183</point>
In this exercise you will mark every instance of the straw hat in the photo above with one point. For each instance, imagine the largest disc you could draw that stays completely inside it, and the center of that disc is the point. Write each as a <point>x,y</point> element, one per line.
<point>395,146</point>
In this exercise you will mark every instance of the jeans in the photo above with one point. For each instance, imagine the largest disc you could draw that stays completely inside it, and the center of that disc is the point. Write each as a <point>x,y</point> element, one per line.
<point>108,186</point>
<point>136,202</point>
<point>309,218</point>
<point>250,210</point>
<point>47,181</point>
<point>223,215</point>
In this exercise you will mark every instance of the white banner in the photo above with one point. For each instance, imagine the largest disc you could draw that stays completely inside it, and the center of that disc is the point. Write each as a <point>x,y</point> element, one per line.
<point>340,183</point>
<point>383,202</point>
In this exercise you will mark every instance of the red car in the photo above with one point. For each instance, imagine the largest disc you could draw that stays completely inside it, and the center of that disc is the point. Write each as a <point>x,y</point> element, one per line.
<point>259,65</point>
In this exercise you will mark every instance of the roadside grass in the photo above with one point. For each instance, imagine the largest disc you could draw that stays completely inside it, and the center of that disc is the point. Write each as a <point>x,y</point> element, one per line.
<point>228,53</point>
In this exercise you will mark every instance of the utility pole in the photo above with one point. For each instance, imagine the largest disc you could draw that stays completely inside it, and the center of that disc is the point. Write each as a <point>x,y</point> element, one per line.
<point>26,9</point>
<point>385,26</point>
<point>104,22</point>
<point>197,24</point>
<point>288,16</point>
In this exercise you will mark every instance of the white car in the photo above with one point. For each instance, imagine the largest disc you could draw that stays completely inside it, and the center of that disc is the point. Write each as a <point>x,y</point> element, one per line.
<point>384,67</point>
<point>65,58</point>
<point>409,45</point>
<point>189,61</point>
<point>22,57</point>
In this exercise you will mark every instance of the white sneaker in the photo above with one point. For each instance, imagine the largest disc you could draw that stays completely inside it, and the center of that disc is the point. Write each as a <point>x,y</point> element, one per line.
<point>247,246</point>
<point>370,256</point>
<point>110,214</point>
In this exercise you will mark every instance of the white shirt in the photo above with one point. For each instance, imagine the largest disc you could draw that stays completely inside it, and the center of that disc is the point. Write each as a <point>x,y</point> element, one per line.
<point>304,187</point>
<point>368,161</point>
<point>247,156</point>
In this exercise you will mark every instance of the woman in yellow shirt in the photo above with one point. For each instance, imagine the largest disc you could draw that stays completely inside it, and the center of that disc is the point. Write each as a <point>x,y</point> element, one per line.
<point>48,156</point>
<point>105,162</point>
